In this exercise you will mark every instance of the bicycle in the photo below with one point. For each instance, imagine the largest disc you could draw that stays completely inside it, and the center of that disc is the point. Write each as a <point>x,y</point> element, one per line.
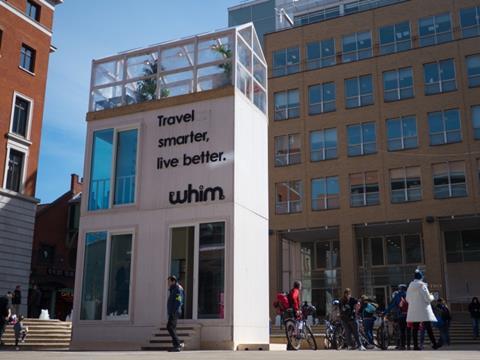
<point>385,334</point>
<point>334,336</point>
<point>297,330</point>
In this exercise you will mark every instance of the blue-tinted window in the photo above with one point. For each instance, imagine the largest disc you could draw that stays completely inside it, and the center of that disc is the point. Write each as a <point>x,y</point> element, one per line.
<point>325,193</point>
<point>357,46</point>
<point>93,276</point>
<point>323,144</point>
<point>100,170</point>
<point>358,91</point>
<point>321,98</point>
<point>439,77</point>
<point>362,139</point>
<point>476,121</point>
<point>33,10</point>
<point>27,58</point>
<point>286,61</point>
<point>320,54</point>
<point>449,180</point>
<point>473,70</point>
<point>395,38</point>
<point>435,29</point>
<point>126,166</point>
<point>398,84</point>
<point>470,21</point>
<point>444,127</point>
<point>402,133</point>
<point>287,104</point>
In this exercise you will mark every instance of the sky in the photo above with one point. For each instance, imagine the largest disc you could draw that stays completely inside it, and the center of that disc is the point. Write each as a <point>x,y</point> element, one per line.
<point>92,29</point>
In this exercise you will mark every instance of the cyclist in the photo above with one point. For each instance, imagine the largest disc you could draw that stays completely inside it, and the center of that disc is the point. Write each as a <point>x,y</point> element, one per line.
<point>348,315</point>
<point>367,312</point>
<point>399,309</point>
<point>294,298</point>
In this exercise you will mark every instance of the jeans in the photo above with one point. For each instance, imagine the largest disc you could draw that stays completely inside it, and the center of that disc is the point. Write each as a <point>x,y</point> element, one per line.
<point>445,333</point>
<point>351,329</point>
<point>475,322</point>
<point>172,330</point>
<point>368,326</point>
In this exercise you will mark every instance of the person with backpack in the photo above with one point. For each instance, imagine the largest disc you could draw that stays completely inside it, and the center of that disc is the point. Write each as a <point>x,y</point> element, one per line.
<point>420,309</point>
<point>367,312</point>
<point>348,316</point>
<point>474,310</point>
<point>444,319</point>
<point>4,315</point>
<point>174,310</point>
<point>398,307</point>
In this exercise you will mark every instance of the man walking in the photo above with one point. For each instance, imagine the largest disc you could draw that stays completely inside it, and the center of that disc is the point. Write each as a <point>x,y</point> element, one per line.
<point>174,309</point>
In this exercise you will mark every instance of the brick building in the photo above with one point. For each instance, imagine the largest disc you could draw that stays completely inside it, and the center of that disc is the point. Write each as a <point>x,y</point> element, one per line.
<point>25,46</point>
<point>374,146</point>
<point>54,252</point>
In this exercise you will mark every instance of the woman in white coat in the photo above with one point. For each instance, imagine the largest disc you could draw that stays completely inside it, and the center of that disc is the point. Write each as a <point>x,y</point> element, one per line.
<point>419,309</point>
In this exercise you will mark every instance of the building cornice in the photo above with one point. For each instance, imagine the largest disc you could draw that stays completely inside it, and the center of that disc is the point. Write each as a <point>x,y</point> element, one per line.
<point>24,17</point>
<point>15,195</point>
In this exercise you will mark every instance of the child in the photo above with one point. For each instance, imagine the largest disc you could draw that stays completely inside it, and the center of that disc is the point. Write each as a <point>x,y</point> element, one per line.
<point>20,332</point>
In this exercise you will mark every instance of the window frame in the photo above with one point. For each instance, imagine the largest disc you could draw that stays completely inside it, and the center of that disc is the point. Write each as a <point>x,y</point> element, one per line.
<point>285,70</point>
<point>406,192</point>
<point>441,82</point>
<point>476,129</point>
<point>436,34</point>
<point>445,132</point>
<point>289,202</point>
<point>288,154</point>
<point>287,108</point>
<point>33,57</point>
<point>449,176</point>
<point>395,42</point>
<point>325,197</point>
<point>475,27</point>
<point>359,96</point>
<point>357,52</point>
<point>38,10</point>
<point>322,103</point>
<point>475,77</point>
<point>28,123</point>
<point>324,149</point>
<point>25,151</point>
<point>364,188</point>
<point>322,61</point>
<point>362,143</point>
<point>331,247</point>
<point>398,89</point>
<point>402,137</point>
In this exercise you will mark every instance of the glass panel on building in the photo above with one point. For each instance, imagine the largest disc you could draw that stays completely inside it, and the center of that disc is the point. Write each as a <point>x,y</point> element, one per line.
<point>476,121</point>
<point>33,10</point>
<point>286,61</point>
<point>287,104</point>
<point>126,166</point>
<point>398,84</point>
<point>321,54</point>
<point>15,170</point>
<point>395,38</point>
<point>27,58</point>
<point>358,91</point>
<point>357,46</point>
<point>444,127</point>
<point>93,276</point>
<point>287,150</point>
<point>321,98</point>
<point>100,170</point>
<point>362,139</point>
<point>323,144</point>
<point>473,70</point>
<point>21,116</point>
<point>449,180</point>
<point>435,29</point>
<point>402,133</point>
<point>470,21</point>
<point>288,197</point>
<point>325,193</point>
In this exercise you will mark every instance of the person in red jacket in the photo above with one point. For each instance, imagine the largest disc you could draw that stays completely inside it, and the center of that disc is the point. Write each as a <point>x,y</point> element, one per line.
<point>294,298</point>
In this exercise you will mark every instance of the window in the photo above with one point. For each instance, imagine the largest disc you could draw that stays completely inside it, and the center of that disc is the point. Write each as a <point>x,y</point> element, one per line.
<point>289,196</point>
<point>473,70</point>
<point>364,189</point>
<point>444,127</point>
<point>439,77</point>
<point>323,144</point>
<point>124,183</point>
<point>27,58</point>
<point>211,271</point>
<point>320,54</point>
<point>33,10</point>
<point>357,46</point>
<point>435,29</point>
<point>15,165</point>
<point>449,180</point>
<point>287,150</point>
<point>398,249</point>
<point>462,246</point>
<point>402,133</point>
<point>358,91</point>
<point>470,21</point>
<point>362,139</point>
<point>321,98</point>
<point>21,116</point>
<point>377,251</point>
<point>405,184</point>
<point>116,260</point>
<point>100,170</point>
<point>126,165</point>
<point>286,61</point>
<point>327,254</point>
<point>398,84</point>
<point>395,38</point>
<point>325,193</point>
<point>287,104</point>
<point>476,121</point>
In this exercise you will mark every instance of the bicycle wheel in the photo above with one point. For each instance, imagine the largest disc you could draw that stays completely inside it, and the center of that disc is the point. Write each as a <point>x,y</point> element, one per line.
<point>338,338</point>
<point>312,343</point>
<point>328,340</point>
<point>294,341</point>
<point>382,338</point>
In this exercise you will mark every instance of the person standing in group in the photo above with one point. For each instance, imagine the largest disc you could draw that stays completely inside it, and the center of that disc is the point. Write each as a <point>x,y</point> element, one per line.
<point>294,298</point>
<point>4,315</point>
<point>444,319</point>
<point>420,309</point>
<point>174,310</point>
<point>367,312</point>
<point>16,300</point>
<point>20,331</point>
<point>399,309</point>
<point>474,310</point>
<point>348,315</point>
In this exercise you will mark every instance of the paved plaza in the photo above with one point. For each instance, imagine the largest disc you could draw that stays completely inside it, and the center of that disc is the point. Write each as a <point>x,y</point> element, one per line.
<point>469,353</point>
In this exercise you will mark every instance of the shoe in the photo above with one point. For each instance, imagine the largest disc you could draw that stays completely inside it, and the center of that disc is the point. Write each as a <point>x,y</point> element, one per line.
<point>416,349</point>
<point>175,349</point>
<point>436,346</point>
<point>362,348</point>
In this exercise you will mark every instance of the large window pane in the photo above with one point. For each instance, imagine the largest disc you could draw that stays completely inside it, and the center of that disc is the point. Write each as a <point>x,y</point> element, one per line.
<point>126,165</point>
<point>211,271</point>
<point>119,276</point>
<point>100,169</point>
<point>413,249</point>
<point>20,116</point>
<point>15,170</point>
<point>93,276</point>
<point>394,250</point>
<point>377,251</point>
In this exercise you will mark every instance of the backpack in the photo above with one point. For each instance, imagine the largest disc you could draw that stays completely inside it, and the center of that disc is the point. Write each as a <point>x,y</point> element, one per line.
<point>370,309</point>
<point>403,305</point>
<point>283,301</point>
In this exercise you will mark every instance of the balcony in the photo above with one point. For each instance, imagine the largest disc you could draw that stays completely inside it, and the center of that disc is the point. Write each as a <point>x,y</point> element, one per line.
<point>199,63</point>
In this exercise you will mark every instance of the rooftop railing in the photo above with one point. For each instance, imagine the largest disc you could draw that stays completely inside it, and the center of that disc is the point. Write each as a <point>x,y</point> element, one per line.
<point>204,62</point>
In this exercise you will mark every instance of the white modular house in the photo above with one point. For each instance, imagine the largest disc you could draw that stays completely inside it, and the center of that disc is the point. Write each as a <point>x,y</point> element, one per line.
<point>176,183</point>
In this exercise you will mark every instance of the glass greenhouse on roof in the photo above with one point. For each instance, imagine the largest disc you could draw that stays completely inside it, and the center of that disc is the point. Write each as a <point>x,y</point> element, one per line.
<point>203,62</point>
